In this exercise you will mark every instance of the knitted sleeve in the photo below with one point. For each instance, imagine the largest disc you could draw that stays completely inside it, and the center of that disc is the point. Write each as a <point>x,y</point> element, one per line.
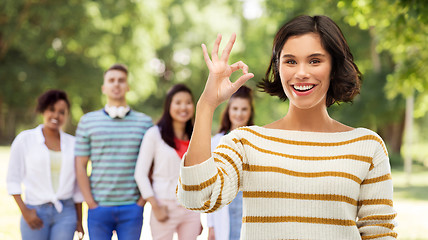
<point>375,209</point>
<point>210,185</point>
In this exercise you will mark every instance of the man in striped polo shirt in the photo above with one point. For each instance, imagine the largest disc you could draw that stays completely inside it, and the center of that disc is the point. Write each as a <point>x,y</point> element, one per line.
<point>110,138</point>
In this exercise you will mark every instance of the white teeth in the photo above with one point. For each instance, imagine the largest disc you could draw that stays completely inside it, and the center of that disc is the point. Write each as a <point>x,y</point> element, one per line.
<point>303,87</point>
<point>54,121</point>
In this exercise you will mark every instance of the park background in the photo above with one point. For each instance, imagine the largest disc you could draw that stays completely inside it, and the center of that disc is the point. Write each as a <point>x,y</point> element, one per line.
<point>67,44</point>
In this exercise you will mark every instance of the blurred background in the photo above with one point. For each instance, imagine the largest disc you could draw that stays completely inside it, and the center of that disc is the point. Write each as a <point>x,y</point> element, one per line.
<point>67,45</point>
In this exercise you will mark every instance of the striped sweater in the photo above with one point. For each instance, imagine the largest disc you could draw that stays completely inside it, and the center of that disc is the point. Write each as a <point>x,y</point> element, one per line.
<point>112,146</point>
<point>297,185</point>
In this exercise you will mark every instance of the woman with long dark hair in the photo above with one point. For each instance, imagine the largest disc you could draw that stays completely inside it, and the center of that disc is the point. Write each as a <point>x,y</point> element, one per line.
<point>163,147</point>
<point>225,224</point>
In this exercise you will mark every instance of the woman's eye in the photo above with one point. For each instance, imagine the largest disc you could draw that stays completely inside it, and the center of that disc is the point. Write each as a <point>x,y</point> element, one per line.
<point>290,61</point>
<point>314,61</point>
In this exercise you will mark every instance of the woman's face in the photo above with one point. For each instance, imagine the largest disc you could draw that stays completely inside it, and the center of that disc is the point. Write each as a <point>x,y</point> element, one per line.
<point>304,69</point>
<point>239,112</point>
<point>181,109</point>
<point>55,115</point>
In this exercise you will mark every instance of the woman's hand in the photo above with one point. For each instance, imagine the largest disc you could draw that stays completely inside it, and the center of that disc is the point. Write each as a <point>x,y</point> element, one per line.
<point>161,213</point>
<point>211,234</point>
<point>219,87</point>
<point>30,216</point>
<point>79,230</point>
<point>141,202</point>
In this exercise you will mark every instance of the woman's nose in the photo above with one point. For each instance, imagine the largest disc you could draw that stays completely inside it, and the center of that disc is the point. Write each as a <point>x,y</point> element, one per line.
<point>302,72</point>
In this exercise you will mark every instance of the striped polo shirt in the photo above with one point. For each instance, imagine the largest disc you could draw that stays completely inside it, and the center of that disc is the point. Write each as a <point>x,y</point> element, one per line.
<point>112,146</point>
<point>297,185</point>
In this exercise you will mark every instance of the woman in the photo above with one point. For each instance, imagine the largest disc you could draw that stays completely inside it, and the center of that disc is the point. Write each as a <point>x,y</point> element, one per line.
<point>226,223</point>
<point>306,175</point>
<point>163,147</point>
<point>43,160</point>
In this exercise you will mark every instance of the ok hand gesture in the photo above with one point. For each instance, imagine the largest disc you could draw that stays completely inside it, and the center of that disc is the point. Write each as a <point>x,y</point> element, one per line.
<point>219,87</point>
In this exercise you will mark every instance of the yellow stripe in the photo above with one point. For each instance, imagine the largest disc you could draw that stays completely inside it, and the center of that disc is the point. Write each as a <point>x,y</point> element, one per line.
<point>203,208</point>
<point>322,197</point>
<point>200,186</point>
<point>230,160</point>
<point>378,179</point>
<point>322,144</point>
<point>256,168</point>
<point>219,198</point>
<point>385,225</point>
<point>224,171</point>
<point>227,147</point>
<point>278,219</point>
<point>378,217</point>
<point>218,160</point>
<point>313,158</point>
<point>390,234</point>
<point>375,202</point>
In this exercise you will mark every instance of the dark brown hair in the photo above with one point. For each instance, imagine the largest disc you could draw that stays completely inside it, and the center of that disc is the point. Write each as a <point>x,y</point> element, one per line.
<point>165,122</point>
<point>119,67</point>
<point>49,98</point>
<point>345,77</point>
<point>243,92</point>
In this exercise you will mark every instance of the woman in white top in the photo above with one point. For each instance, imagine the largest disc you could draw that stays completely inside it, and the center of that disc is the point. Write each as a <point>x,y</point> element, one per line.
<point>225,224</point>
<point>42,159</point>
<point>306,175</point>
<point>163,147</point>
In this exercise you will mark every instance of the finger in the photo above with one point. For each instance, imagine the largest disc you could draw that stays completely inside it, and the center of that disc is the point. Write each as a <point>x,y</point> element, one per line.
<point>244,78</point>
<point>239,65</point>
<point>36,225</point>
<point>226,51</point>
<point>39,222</point>
<point>39,225</point>
<point>32,225</point>
<point>214,53</point>
<point>206,56</point>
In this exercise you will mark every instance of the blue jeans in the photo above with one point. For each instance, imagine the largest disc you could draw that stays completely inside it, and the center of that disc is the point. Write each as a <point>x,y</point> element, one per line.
<point>235,217</point>
<point>55,225</point>
<point>127,220</point>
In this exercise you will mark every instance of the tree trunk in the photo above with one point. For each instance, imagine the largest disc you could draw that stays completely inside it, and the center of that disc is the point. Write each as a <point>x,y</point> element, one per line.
<point>409,138</point>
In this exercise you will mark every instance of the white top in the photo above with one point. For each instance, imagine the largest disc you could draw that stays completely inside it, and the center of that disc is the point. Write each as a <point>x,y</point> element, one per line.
<point>297,185</point>
<point>166,167</point>
<point>30,165</point>
<point>219,220</point>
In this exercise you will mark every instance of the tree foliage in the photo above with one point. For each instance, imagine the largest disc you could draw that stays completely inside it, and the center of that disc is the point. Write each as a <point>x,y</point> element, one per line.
<point>67,44</point>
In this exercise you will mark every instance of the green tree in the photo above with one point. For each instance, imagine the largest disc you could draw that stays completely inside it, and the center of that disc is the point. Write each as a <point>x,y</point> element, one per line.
<point>67,45</point>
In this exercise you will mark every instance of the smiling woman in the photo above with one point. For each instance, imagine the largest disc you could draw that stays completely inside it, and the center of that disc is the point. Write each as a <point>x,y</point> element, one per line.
<point>162,148</point>
<point>306,175</point>
<point>305,70</point>
<point>43,160</point>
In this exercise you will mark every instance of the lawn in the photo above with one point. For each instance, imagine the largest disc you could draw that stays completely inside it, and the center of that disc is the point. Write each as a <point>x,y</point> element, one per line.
<point>411,203</point>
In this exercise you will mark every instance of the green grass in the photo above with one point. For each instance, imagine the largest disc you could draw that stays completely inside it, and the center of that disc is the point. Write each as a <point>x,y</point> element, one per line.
<point>414,190</point>
<point>9,212</point>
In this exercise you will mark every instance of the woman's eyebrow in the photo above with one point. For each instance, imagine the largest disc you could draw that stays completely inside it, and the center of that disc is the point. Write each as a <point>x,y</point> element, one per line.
<point>312,55</point>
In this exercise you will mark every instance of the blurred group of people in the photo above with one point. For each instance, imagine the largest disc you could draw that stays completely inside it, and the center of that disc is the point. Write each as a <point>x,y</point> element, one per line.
<point>132,161</point>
